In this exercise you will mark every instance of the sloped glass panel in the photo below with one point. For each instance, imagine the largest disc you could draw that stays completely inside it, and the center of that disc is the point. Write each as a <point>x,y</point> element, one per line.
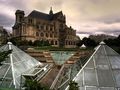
<point>90,77</point>
<point>115,62</point>
<point>107,88</point>
<point>61,56</point>
<point>91,88</point>
<point>90,64</point>
<point>17,63</point>
<point>81,88</point>
<point>105,71</point>
<point>80,79</point>
<point>110,52</point>
<point>117,77</point>
<point>4,48</point>
<point>105,78</point>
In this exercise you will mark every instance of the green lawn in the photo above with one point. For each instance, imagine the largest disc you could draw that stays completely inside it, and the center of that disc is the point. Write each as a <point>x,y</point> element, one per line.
<point>59,49</point>
<point>6,89</point>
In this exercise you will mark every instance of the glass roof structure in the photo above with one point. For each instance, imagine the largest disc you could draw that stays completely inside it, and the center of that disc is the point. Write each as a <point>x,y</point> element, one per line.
<point>101,72</point>
<point>60,57</point>
<point>15,65</point>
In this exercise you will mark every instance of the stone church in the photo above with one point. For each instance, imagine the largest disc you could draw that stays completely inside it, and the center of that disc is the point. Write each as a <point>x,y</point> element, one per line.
<point>41,26</point>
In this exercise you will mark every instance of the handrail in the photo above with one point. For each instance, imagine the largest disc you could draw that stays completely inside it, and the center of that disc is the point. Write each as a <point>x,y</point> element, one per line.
<point>56,79</point>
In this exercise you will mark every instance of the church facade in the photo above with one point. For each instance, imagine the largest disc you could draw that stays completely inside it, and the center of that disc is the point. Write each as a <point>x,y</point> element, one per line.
<point>41,26</point>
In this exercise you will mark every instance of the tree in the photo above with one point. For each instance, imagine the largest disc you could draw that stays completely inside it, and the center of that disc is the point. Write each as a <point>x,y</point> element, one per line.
<point>30,43</point>
<point>46,43</point>
<point>34,85</point>
<point>73,85</point>
<point>89,42</point>
<point>4,55</point>
<point>13,40</point>
<point>41,43</point>
<point>79,43</point>
<point>37,43</point>
<point>23,43</point>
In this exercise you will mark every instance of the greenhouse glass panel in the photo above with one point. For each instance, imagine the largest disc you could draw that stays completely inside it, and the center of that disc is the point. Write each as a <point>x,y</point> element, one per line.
<point>17,63</point>
<point>91,88</point>
<point>60,57</point>
<point>105,78</point>
<point>90,64</point>
<point>90,77</point>
<point>107,88</point>
<point>80,79</point>
<point>82,88</point>
<point>101,71</point>
<point>115,62</point>
<point>117,77</point>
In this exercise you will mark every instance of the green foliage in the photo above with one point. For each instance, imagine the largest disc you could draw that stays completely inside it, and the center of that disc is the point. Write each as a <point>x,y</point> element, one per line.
<point>73,85</point>
<point>34,85</point>
<point>79,43</point>
<point>19,42</point>
<point>30,43</point>
<point>14,41</point>
<point>41,43</point>
<point>113,42</point>
<point>89,42</point>
<point>4,55</point>
<point>6,89</point>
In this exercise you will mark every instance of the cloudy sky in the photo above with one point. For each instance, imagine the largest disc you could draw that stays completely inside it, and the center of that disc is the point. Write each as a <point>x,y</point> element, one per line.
<point>86,16</point>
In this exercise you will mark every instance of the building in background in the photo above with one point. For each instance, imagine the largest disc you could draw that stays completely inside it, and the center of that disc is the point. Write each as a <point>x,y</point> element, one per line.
<point>101,37</point>
<point>48,27</point>
<point>3,35</point>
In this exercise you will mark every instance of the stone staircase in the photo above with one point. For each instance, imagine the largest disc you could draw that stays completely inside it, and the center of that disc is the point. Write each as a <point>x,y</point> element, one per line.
<point>42,56</point>
<point>48,57</point>
<point>77,56</point>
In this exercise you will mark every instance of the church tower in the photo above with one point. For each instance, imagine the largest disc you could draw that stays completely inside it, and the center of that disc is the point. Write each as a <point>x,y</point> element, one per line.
<point>19,16</point>
<point>51,11</point>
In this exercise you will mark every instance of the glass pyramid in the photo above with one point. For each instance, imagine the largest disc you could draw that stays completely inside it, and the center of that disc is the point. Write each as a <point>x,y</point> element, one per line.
<point>60,57</point>
<point>101,72</point>
<point>15,65</point>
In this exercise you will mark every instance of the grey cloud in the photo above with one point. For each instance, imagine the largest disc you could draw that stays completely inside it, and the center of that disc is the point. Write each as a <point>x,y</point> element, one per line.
<point>6,21</point>
<point>113,30</point>
<point>15,3</point>
<point>109,19</point>
<point>80,32</point>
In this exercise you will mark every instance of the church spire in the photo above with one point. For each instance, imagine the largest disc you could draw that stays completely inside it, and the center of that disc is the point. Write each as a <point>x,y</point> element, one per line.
<point>50,12</point>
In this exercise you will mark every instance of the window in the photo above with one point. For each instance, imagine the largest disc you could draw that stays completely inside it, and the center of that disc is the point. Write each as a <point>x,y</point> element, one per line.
<point>37,26</point>
<point>50,35</point>
<point>52,42</point>
<point>42,27</point>
<point>50,28</point>
<point>30,21</point>
<point>37,34</point>
<point>20,18</point>
<point>46,27</point>
<point>56,43</point>
<point>42,35</point>
<point>46,35</point>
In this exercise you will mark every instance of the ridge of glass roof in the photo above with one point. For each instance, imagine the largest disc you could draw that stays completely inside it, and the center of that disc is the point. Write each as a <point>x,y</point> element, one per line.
<point>101,71</point>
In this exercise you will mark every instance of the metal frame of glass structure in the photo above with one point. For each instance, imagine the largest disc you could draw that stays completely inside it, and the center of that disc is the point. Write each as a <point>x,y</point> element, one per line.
<point>17,65</point>
<point>101,72</point>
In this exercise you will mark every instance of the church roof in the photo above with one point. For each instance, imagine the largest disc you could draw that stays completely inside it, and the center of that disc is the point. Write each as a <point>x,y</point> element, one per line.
<point>57,14</point>
<point>37,14</point>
